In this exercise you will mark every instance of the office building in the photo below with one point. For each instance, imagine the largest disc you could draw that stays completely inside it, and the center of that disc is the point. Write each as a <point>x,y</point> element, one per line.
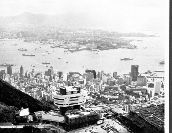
<point>2,74</point>
<point>157,87</point>
<point>134,72</point>
<point>9,70</point>
<point>69,100</point>
<point>115,74</point>
<point>60,74</point>
<point>141,81</point>
<point>21,71</point>
<point>91,71</point>
<point>69,96</point>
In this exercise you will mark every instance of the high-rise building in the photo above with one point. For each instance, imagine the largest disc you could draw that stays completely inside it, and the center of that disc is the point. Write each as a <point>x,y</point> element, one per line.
<point>69,100</point>
<point>91,71</point>
<point>60,74</point>
<point>99,75</point>
<point>9,70</point>
<point>69,96</point>
<point>115,74</point>
<point>26,74</point>
<point>141,81</point>
<point>2,74</point>
<point>51,70</point>
<point>134,72</point>
<point>157,87</point>
<point>21,71</point>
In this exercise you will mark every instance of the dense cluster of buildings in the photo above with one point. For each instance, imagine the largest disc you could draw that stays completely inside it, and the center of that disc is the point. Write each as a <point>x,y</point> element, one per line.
<point>120,93</point>
<point>133,88</point>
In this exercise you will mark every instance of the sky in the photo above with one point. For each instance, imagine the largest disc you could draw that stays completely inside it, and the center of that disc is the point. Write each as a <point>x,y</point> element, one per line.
<point>123,15</point>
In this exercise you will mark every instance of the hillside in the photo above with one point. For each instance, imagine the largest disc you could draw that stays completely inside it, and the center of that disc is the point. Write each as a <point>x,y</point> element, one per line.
<point>10,96</point>
<point>7,113</point>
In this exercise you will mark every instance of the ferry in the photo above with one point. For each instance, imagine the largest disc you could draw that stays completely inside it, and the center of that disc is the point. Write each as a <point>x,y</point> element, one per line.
<point>22,49</point>
<point>97,50</point>
<point>54,46</point>
<point>72,49</point>
<point>28,54</point>
<point>45,63</point>
<point>126,59</point>
<point>66,50</point>
<point>162,62</point>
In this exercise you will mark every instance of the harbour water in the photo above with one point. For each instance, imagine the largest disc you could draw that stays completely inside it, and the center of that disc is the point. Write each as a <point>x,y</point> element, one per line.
<point>149,52</point>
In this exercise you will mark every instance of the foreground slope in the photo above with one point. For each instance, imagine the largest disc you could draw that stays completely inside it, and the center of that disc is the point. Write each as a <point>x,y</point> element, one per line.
<point>13,97</point>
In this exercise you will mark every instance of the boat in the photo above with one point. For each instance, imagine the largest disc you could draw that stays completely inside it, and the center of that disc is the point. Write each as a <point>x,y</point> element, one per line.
<point>97,50</point>
<point>22,49</point>
<point>162,62</point>
<point>54,46</point>
<point>28,54</point>
<point>66,50</point>
<point>45,63</point>
<point>126,59</point>
<point>72,50</point>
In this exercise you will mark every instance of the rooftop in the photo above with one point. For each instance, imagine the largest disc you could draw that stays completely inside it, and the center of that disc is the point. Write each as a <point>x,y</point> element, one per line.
<point>153,114</point>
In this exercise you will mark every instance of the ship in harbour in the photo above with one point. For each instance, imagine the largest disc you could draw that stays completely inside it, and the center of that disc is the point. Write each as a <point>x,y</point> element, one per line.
<point>162,62</point>
<point>45,63</point>
<point>28,54</point>
<point>22,49</point>
<point>54,46</point>
<point>126,59</point>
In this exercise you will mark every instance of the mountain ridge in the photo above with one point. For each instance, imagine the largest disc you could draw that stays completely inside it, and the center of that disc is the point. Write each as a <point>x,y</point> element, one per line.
<point>31,20</point>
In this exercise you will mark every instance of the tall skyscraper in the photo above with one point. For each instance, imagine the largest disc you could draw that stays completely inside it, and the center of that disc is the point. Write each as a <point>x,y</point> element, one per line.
<point>21,71</point>
<point>9,70</point>
<point>115,74</point>
<point>60,74</point>
<point>2,74</point>
<point>134,72</point>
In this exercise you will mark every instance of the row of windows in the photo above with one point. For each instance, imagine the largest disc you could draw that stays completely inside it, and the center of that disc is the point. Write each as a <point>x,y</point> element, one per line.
<point>73,100</point>
<point>74,97</point>
<point>58,98</point>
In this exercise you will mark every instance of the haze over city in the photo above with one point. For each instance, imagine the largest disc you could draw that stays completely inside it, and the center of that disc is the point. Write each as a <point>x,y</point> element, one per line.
<point>118,15</point>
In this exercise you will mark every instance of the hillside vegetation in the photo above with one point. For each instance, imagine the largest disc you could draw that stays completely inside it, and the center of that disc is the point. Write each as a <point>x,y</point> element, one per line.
<point>10,96</point>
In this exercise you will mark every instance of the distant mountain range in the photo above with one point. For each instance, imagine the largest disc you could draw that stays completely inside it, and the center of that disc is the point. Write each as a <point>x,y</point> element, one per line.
<point>47,23</point>
<point>33,21</point>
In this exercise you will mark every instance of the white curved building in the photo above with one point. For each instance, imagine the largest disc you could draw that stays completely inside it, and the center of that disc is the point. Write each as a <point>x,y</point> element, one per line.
<point>69,96</point>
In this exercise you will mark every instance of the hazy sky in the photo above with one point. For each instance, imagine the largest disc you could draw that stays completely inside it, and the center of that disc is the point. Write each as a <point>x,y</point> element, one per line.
<point>124,15</point>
